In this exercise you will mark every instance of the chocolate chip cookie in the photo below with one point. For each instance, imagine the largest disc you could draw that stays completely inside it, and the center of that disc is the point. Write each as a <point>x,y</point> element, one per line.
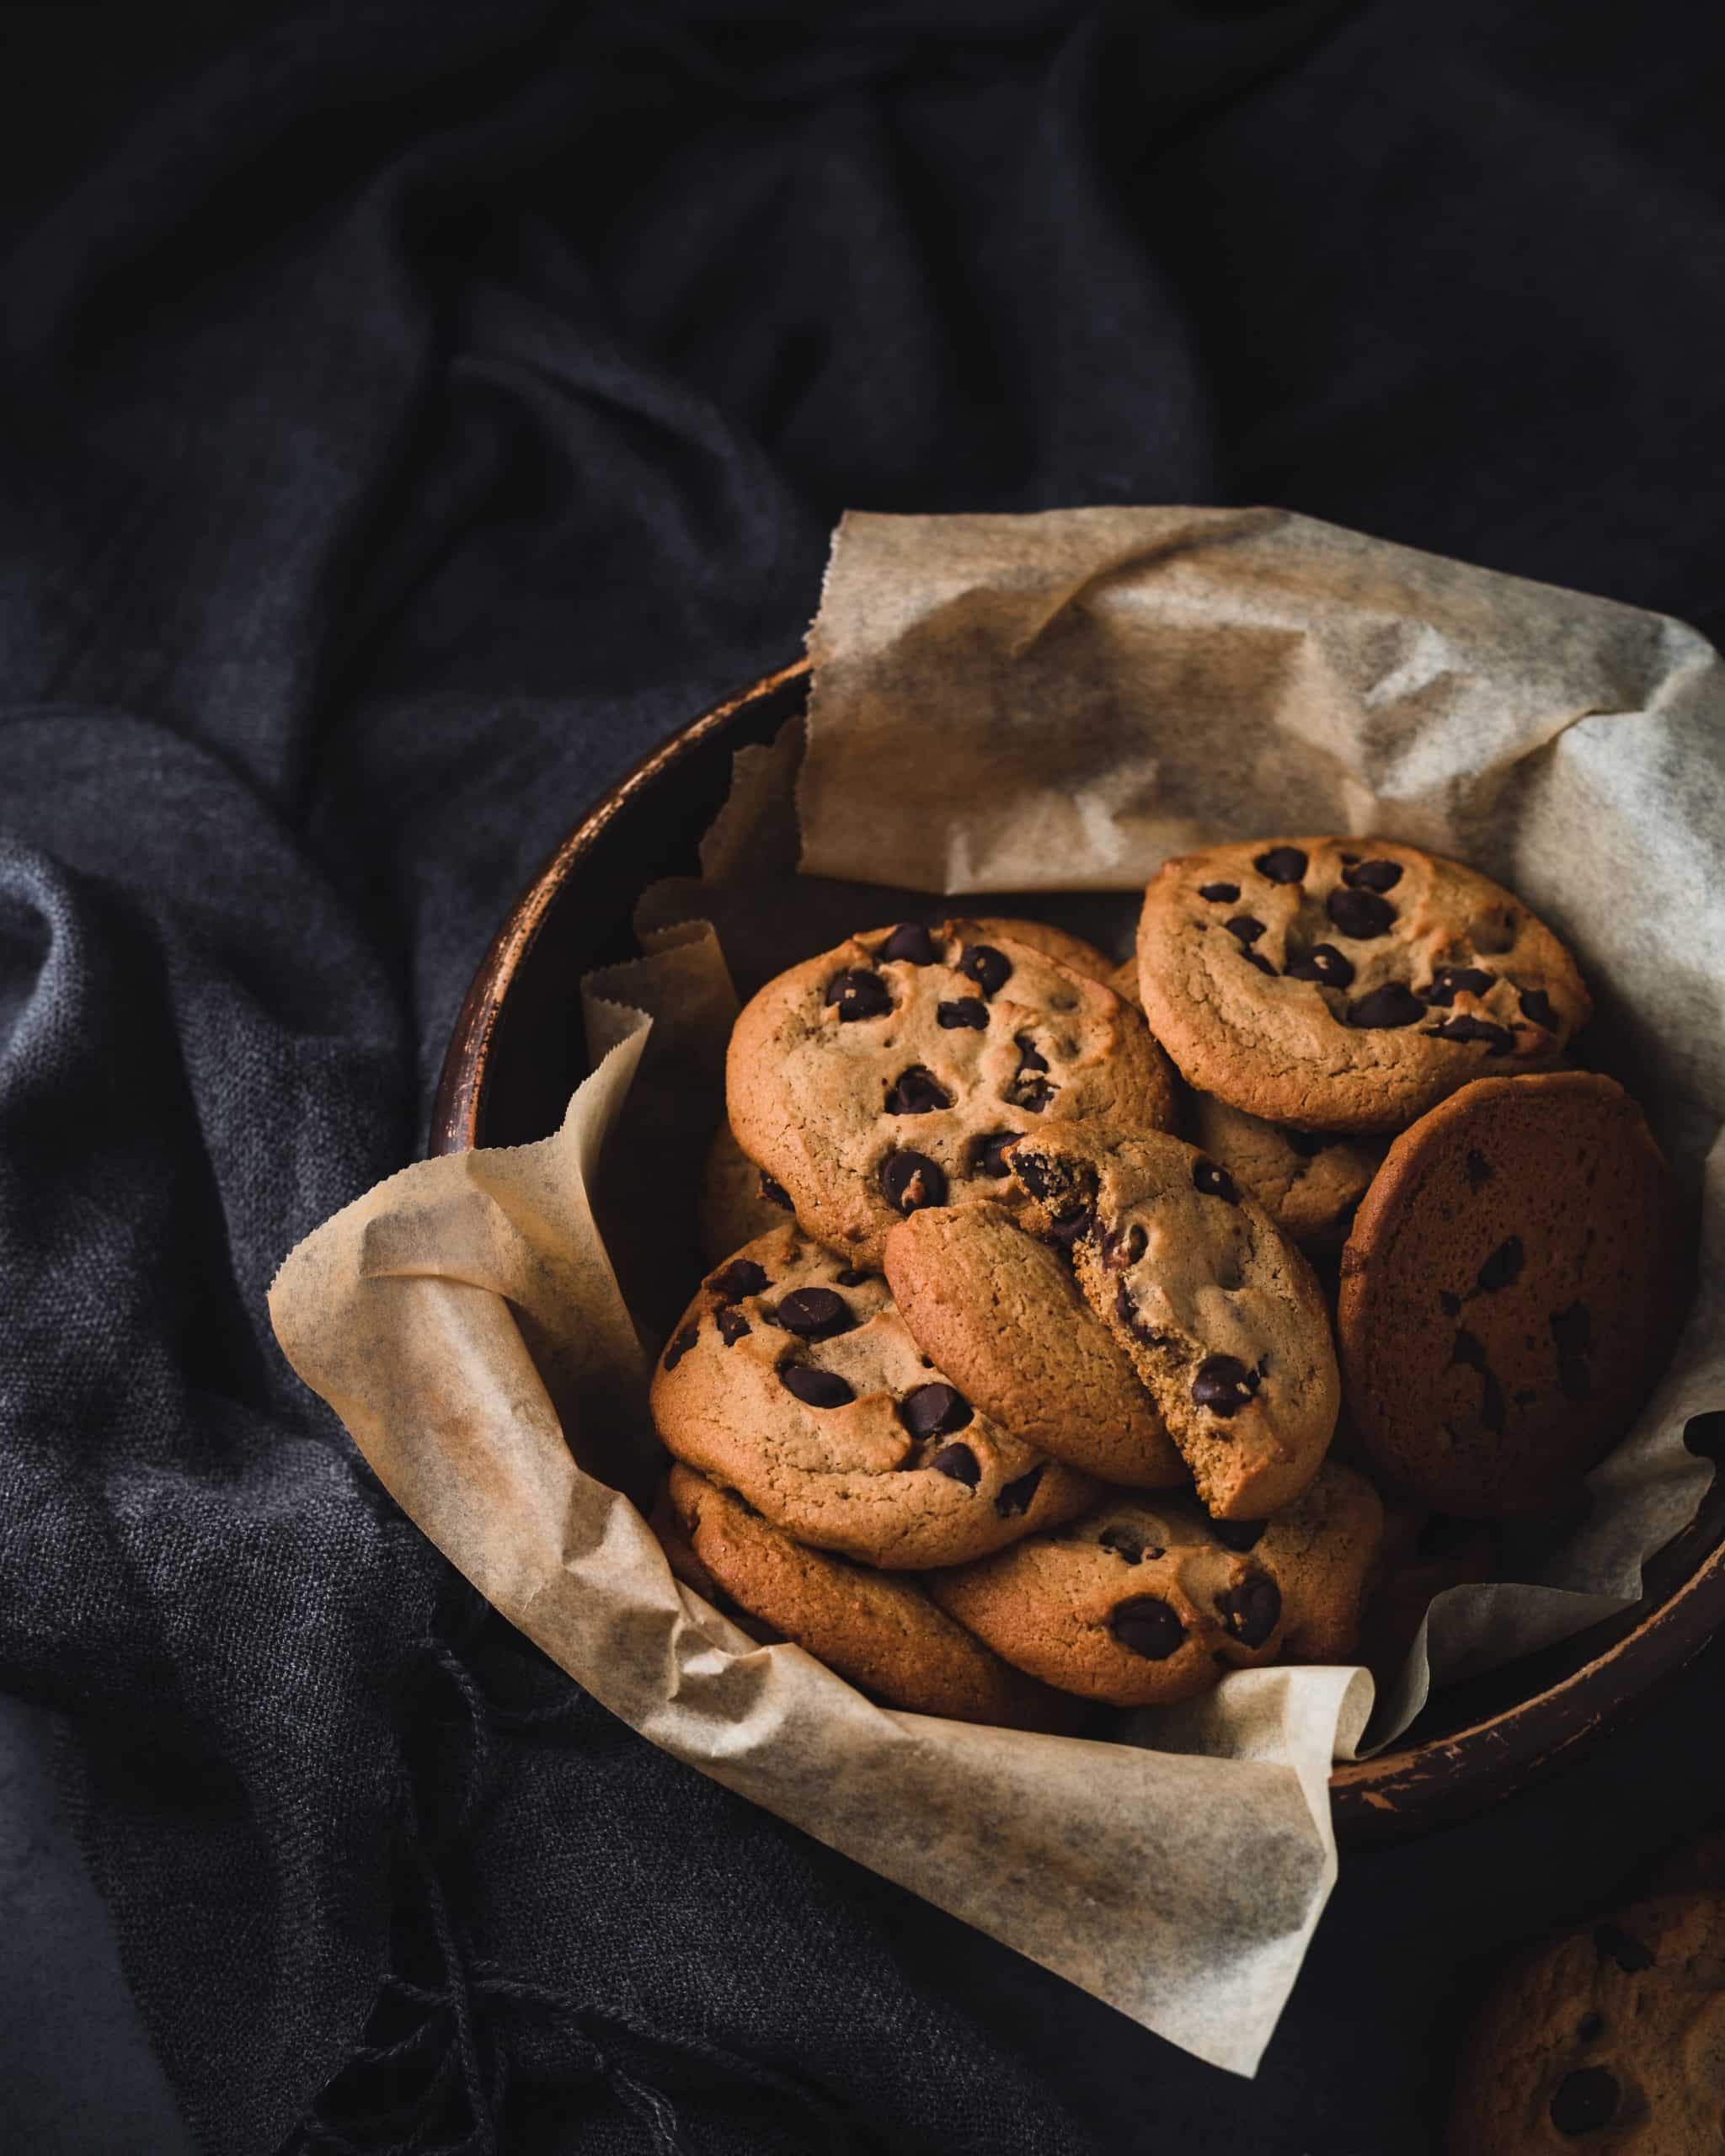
<point>1322,1552</point>
<point>1138,1603</point>
<point>1003,1316</point>
<point>1066,950</point>
<point>1509,1291</point>
<point>1612,2036</point>
<point>738,1201</point>
<point>1308,1182</point>
<point>879,1629</point>
<point>891,1074</point>
<point>1346,984</point>
<point>792,1379</point>
<point>1219,1314</point>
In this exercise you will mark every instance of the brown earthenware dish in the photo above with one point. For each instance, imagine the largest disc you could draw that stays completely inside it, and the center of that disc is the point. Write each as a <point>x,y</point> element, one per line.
<point>517,1052</point>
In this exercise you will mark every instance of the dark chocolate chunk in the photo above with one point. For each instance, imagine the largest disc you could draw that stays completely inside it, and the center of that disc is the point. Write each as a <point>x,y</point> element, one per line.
<point>1360,914</point>
<point>1245,927</point>
<point>775,1193</point>
<point>1492,1409</point>
<point>1223,1384</point>
<point>934,1410</point>
<point>1451,1304</point>
<point>814,1312</point>
<point>1148,1627</point>
<point>1307,1143</point>
<point>910,1180</point>
<point>815,1388</point>
<point>1448,982</point>
<point>990,970</point>
<point>917,1091</point>
<point>959,1464</point>
<point>1496,1040</point>
<point>1072,1225</point>
<point>1282,864</point>
<point>1536,1005</point>
<point>1127,1312</point>
<point>911,943</point>
<point>1215,1182</point>
<point>1503,1268</point>
<point>741,1276</point>
<point>1479,1171</point>
<point>858,995</point>
<point>1015,1496</point>
<point>733,1327</point>
<point>1033,1094</point>
<point>1238,1534</point>
<point>1586,2099</point>
<point>1124,1543</point>
<point>1251,1611</point>
<point>1468,1351</point>
<point>988,1154</point>
<point>1393,1004</point>
<point>1124,1246</point>
<point>1372,875</point>
<point>1220,894</point>
<point>1613,1944</point>
<point>1030,1057</point>
<point>1590,2028</point>
<point>680,1345</point>
<point>968,1010</point>
<point>1325,964</point>
<point>852,1278</point>
<point>1572,1330</point>
<point>1257,958</point>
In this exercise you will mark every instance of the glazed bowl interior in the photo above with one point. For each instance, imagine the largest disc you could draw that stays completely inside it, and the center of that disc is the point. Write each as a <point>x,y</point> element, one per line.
<point>518,1051</point>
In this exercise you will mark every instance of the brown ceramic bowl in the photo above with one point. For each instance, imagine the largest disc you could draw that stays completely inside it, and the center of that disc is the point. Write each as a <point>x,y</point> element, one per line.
<point>517,1053</point>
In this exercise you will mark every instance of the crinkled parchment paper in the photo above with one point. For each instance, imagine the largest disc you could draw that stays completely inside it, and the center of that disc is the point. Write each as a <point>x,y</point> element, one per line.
<point>1049,704</point>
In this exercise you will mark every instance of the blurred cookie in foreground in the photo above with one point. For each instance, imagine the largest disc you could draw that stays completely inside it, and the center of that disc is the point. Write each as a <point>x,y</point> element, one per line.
<point>1509,1291</point>
<point>879,1629</point>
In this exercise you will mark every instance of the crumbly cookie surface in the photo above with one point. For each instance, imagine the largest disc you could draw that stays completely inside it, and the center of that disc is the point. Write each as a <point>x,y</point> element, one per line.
<point>1002,1315</point>
<point>792,1379</point>
<point>1220,1315</point>
<point>1346,984</point>
<point>890,1074</point>
<point>1308,1182</point>
<point>1509,1291</point>
<point>1139,1603</point>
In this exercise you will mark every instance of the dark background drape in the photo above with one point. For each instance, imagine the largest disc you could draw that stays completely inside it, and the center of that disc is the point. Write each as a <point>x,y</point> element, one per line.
<point>412,411</point>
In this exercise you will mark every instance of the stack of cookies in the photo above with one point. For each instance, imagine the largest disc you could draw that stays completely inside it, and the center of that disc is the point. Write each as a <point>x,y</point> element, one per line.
<point>1078,1333</point>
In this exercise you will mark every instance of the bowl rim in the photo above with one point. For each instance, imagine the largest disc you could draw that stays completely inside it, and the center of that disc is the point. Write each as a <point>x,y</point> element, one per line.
<point>1403,1791</point>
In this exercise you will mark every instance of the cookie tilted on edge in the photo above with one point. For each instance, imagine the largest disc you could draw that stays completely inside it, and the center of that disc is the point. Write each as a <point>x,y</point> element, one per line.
<point>1346,984</point>
<point>1509,1291</point>
<point>792,1379</point>
<point>1308,1182</point>
<point>890,1074</point>
<point>1219,1314</point>
<point>879,1629</point>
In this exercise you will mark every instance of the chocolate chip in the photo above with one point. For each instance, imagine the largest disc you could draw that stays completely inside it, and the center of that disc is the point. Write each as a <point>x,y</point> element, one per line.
<point>851,1278</point>
<point>990,970</point>
<point>1611,1943</point>
<point>1220,894</point>
<point>910,1180</point>
<point>1468,1351</point>
<point>1448,982</point>
<point>741,1276</point>
<point>1244,926</point>
<point>959,1464</point>
<point>1451,1304</point>
<point>1536,1005</point>
<point>775,1193</point>
<point>1015,1496</point>
<point>815,1313</point>
<point>1251,1611</point>
<point>1072,1225</point>
<point>1393,1004</point>
<point>1223,1384</point>
<point>1572,1330</point>
<point>1359,914</point>
<point>1282,864</point>
<point>1325,964</point>
<point>1124,1246</point>
<point>1036,1175</point>
<point>988,1154</point>
<point>680,1345</point>
<point>1307,1143</point>
<point>1504,1267</point>
<point>733,1327</point>
<point>1372,875</point>
<point>1124,1543</point>
<point>1214,1181</point>
<point>932,1411</point>
<point>1127,1312</point>
<point>1491,1402</point>
<point>917,1091</point>
<point>911,943</point>
<point>858,995</point>
<point>1147,1626</point>
<point>1238,1534</point>
<point>1590,2028</point>
<point>1030,1057</point>
<point>1033,1094</point>
<point>815,1388</point>
<point>1257,958</point>
<point>1478,1170</point>
<point>1584,2099</point>
<point>968,1010</point>
<point>1496,1040</point>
